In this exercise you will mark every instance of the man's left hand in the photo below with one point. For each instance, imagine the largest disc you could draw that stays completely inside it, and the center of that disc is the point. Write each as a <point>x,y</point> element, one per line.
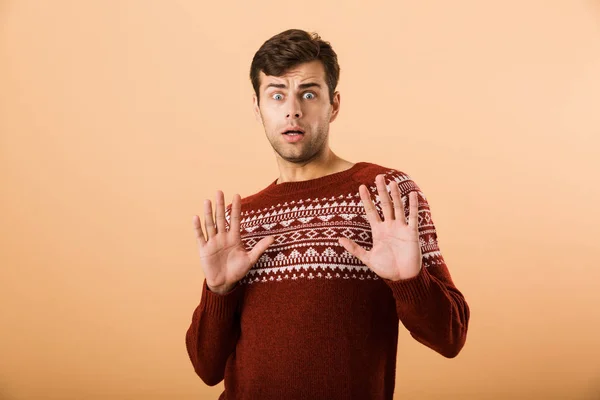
<point>396,251</point>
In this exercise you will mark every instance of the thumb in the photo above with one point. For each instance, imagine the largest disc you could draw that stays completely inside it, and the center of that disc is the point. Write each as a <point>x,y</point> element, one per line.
<point>260,248</point>
<point>354,249</point>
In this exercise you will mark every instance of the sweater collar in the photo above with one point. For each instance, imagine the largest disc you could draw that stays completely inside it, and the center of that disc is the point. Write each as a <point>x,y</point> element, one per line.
<point>298,187</point>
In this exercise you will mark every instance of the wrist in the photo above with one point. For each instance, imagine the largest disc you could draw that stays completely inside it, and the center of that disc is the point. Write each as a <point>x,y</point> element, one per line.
<point>220,290</point>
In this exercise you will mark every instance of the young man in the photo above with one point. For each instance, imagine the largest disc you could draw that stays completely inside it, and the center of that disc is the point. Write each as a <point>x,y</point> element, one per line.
<point>307,280</point>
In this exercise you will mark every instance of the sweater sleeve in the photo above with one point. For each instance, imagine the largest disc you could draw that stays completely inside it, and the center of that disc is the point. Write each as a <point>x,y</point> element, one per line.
<point>429,305</point>
<point>213,333</point>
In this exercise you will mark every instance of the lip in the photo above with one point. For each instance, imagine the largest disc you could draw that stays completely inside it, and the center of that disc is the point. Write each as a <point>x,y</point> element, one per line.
<point>292,128</point>
<point>293,138</point>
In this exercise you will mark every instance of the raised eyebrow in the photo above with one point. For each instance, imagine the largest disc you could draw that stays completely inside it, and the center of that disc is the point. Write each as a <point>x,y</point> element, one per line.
<point>301,86</point>
<point>310,84</point>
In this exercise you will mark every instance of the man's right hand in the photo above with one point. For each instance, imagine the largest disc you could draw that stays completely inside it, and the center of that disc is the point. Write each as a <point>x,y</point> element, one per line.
<point>223,257</point>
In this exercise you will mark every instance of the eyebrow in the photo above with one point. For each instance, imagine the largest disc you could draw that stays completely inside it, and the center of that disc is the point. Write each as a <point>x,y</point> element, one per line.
<point>301,86</point>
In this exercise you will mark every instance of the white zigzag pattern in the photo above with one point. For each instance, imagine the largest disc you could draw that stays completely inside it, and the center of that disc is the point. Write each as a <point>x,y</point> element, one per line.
<point>278,220</point>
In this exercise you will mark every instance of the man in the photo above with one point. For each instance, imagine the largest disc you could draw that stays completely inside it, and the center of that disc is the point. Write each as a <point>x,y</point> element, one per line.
<point>306,281</point>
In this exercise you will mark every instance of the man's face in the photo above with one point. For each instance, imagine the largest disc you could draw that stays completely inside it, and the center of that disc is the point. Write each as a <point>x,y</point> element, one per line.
<point>297,99</point>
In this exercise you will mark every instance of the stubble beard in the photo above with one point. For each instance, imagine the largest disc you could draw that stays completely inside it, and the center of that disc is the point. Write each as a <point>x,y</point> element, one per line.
<point>308,150</point>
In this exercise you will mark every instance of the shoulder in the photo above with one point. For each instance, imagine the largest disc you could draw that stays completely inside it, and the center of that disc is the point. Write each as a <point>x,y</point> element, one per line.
<point>251,206</point>
<point>403,179</point>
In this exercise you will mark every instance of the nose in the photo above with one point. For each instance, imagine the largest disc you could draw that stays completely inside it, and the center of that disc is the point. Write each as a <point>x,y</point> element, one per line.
<point>294,110</point>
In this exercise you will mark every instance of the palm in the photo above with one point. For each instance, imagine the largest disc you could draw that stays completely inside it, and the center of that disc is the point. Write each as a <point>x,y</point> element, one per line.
<point>223,257</point>
<point>396,251</point>
<point>218,253</point>
<point>392,246</point>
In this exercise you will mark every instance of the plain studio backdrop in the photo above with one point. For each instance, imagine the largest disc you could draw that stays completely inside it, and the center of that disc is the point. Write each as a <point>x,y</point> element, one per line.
<point>117,119</point>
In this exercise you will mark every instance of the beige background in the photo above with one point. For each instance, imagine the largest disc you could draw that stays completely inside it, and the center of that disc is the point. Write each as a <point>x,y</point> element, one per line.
<point>118,118</point>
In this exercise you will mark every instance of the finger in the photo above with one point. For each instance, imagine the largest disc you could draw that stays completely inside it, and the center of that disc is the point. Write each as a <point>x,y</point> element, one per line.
<point>234,220</point>
<point>220,211</point>
<point>209,224</point>
<point>384,198</point>
<point>354,249</point>
<point>372,214</point>
<point>260,248</point>
<point>413,216</point>
<point>198,230</point>
<point>398,203</point>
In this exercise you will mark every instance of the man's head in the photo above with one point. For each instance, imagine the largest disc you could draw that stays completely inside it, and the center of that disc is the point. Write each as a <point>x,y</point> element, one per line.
<point>294,75</point>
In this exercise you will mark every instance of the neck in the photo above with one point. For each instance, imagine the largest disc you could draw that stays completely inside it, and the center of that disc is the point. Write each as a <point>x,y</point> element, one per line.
<point>316,168</point>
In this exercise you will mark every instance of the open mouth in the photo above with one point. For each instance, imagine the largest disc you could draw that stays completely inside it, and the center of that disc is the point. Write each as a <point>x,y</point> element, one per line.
<point>293,136</point>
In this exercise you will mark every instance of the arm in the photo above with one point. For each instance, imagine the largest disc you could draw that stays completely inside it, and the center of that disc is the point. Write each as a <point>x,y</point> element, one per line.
<point>215,325</point>
<point>429,305</point>
<point>213,333</point>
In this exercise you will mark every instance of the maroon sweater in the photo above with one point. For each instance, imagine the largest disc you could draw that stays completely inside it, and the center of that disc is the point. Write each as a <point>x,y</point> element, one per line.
<point>311,321</point>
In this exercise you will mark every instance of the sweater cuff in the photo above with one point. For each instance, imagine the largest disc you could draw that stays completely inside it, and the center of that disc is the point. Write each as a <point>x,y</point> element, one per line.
<point>220,305</point>
<point>411,290</point>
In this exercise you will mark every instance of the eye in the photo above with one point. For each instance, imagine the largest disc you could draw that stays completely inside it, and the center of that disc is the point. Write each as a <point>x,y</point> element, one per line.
<point>310,93</point>
<point>276,94</point>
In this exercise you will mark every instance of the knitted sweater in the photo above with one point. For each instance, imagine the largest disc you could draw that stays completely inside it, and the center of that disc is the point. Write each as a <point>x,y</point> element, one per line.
<point>311,321</point>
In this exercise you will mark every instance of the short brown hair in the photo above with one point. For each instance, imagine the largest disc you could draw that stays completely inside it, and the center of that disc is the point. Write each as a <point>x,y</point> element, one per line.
<point>290,48</point>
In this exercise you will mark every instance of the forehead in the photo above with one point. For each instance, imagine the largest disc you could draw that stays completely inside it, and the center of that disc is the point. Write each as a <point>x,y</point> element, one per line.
<point>313,71</point>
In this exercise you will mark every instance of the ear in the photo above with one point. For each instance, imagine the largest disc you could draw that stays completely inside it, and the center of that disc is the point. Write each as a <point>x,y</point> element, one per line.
<point>335,107</point>
<point>256,108</point>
